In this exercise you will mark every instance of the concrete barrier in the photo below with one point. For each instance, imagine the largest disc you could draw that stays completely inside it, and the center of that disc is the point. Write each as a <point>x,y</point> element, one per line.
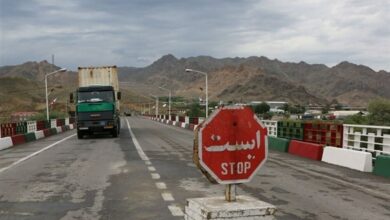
<point>46,132</point>
<point>39,135</point>
<point>278,144</point>
<point>305,149</point>
<point>18,139</point>
<point>53,131</point>
<point>382,165</point>
<point>357,160</point>
<point>30,136</point>
<point>5,142</point>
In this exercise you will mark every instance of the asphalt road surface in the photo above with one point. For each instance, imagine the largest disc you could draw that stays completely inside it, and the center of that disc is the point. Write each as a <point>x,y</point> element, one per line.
<point>147,173</point>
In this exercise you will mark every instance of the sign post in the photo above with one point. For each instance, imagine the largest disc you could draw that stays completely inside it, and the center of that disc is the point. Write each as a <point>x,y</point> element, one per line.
<point>230,147</point>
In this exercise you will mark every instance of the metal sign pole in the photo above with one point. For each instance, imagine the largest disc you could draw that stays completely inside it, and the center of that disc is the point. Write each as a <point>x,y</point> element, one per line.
<point>230,192</point>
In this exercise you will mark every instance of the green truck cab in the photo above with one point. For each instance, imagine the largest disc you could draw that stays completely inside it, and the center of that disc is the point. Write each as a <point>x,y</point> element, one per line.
<point>96,110</point>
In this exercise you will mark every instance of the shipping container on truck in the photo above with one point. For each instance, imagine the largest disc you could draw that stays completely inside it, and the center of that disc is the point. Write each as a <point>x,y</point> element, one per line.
<point>97,104</point>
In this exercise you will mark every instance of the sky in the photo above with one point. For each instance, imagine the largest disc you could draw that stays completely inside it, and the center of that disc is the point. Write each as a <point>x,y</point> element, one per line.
<point>138,32</point>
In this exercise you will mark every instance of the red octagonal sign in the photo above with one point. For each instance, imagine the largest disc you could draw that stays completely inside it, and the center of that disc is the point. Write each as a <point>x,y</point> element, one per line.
<point>232,145</point>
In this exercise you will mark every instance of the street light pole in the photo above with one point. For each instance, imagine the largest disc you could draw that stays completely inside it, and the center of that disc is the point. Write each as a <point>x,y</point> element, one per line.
<point>47,100</point>
<point>207,88</point>
<point>156,104</point>
<point>169,101</point>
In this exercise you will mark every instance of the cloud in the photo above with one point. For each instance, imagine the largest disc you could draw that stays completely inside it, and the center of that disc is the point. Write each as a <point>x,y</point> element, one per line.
<point>135,33</point>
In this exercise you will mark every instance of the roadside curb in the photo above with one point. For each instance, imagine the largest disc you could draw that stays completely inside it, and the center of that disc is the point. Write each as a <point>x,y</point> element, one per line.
<point>9,142</point>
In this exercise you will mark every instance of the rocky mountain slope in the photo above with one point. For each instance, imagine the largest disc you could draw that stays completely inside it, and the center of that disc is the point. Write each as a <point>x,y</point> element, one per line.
<point>230,79</point>
<point>259,78</point>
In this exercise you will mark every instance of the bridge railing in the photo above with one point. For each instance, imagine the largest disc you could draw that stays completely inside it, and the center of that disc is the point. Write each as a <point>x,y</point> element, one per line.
<point>272,127</point>
<point>14,128</point>
<point>373,139</point>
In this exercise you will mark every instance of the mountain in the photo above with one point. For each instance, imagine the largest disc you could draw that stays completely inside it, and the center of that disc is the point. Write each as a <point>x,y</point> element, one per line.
<point>22,88</point>
<point>229,79</point>
<point>259,78</point>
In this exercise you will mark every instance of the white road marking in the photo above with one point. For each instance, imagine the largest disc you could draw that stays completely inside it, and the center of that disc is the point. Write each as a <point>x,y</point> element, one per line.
<point>167,196</point>
<point>161,185</point>
<point>35,153</point>
<point>141,153</point>
<point>155,176</point>
<point>150,168</point>
<point>175,210</point>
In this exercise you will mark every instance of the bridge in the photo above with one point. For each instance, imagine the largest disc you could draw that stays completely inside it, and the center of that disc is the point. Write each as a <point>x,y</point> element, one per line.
<point>148,173</point>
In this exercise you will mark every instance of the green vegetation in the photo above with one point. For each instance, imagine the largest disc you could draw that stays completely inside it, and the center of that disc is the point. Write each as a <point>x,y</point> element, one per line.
<point>262,108</point>
<point>296,109</point>
<point>52,115</point>
<point>379,114</point>
<point>356,119</point>
<point>379,110</point>
<point>195,111</point>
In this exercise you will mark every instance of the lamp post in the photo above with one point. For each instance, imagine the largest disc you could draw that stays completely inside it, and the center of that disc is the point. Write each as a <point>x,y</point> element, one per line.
<point>207,96</point>
<point>47,100</point>
<point>169,102</point>
<point>156,104</point>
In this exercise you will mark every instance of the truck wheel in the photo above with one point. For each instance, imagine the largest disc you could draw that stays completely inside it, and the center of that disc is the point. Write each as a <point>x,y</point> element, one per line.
<point>80,134</point>
<point>115,132</point>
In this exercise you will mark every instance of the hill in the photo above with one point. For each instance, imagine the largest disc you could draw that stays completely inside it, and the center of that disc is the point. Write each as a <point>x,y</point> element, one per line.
<point>259,78</point>
<point>230,79</point>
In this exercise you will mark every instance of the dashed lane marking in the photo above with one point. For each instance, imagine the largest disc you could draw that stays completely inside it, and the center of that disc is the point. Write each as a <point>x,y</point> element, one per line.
<point>175,210</point>
<point>152,169</point>
<point>155,176</point>
<point>35,153</point>
<point>161,185</point>
<point>167,196</point>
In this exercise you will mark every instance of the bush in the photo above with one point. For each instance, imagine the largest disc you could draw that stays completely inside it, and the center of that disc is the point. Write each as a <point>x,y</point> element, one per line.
<point>379,112</point>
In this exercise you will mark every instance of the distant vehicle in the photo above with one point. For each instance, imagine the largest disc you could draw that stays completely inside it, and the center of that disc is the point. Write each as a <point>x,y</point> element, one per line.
<point>307,116</point>
<point>97,101</point>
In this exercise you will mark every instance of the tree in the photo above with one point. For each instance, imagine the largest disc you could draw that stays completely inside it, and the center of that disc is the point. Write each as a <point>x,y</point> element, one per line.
<point>356,119</point>
<point>195,111</point>
<point>213,104</point>
<point>325,109</point>
<point>297,109</point>
<point>285,107</point>
<point>379,112</point>
<point>262,108</point>
<point>338,107</point>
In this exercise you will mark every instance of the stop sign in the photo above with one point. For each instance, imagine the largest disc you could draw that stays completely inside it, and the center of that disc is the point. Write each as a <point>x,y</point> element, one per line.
<point>232,144</point>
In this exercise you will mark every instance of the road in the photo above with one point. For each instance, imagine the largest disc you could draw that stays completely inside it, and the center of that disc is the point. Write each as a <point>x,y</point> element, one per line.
<point>147,173</point>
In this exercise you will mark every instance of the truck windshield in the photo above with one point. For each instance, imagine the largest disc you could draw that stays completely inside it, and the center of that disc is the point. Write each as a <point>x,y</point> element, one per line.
<point>96,96</point>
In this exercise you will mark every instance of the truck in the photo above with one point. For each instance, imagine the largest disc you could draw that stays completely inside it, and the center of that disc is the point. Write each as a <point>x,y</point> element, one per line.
<point>97,101</point>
